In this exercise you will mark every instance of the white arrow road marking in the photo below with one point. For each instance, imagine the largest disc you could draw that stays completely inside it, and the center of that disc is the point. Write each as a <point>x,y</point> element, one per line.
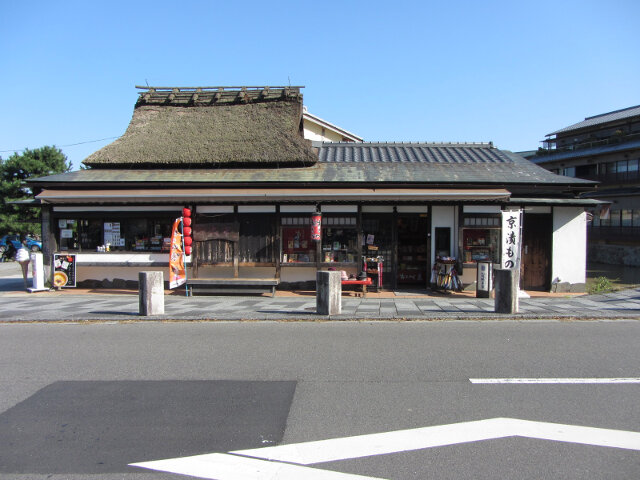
<point>415,439</point>
<point>221,466</point>
<point>554,380</point>
<point>239,467</point>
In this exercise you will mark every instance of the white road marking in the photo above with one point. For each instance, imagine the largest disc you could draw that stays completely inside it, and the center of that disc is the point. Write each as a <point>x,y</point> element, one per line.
<point>264,463</point>
<point>382,443</point>
<point>415,439</point>
<point>554,380</point>
<point>220,466</point>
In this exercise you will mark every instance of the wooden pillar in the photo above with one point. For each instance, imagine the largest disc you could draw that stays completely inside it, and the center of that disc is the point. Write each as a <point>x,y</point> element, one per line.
<point>277,248</point>
<point>195,248</point>
<point>394,248</point>
<point>359,238</point>
<point>236,245</point>
<point>47,234</point>
<point>319,258</point>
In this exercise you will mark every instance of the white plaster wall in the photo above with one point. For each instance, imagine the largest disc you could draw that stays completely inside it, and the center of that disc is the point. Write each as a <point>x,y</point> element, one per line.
<point>121,257</point>
<point>444,216</point>
<point>111,265</point>
<point>313,131</point>
<point>569,255</point>
<point>111,273</point>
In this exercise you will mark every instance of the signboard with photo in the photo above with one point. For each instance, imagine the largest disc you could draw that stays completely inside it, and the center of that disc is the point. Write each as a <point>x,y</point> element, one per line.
<point>64,274</point>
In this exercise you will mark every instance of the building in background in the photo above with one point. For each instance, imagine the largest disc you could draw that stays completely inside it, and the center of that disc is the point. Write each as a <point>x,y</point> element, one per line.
<point>604,148</point>
<point>318,130</point>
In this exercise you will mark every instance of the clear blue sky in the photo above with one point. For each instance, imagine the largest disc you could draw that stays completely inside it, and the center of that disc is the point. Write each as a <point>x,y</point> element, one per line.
<point>502,71</point>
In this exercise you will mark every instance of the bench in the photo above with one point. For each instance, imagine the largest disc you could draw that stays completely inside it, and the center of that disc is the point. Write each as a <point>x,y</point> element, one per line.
<point>364,284</point>
<point>233,285</point>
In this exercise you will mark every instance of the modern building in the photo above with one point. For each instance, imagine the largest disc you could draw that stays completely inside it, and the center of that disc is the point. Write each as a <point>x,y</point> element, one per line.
<point>603,148</point>
<point>238,158</point>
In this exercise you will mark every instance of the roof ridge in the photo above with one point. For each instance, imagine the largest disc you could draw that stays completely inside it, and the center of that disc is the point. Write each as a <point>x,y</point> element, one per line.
<point>432,144</point>
<point>609,113</point>
<point>210,96</point>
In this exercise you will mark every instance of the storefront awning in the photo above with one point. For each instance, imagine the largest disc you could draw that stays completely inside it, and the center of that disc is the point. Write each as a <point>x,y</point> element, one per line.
<point>288,195</point>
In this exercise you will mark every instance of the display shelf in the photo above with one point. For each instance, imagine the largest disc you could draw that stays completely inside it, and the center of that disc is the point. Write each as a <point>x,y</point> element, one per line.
<point>444,275</point>
<point>374,268</point>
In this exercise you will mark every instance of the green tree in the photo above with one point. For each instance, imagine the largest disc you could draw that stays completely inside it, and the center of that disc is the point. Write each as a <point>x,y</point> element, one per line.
<point>40,162</point>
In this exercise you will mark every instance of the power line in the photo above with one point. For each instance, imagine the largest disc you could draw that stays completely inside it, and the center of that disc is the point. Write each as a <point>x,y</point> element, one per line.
<point>62,146</point>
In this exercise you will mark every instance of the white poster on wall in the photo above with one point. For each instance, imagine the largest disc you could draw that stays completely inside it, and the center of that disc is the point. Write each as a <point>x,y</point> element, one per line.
<point>511,240</point>
<point>112,233</point>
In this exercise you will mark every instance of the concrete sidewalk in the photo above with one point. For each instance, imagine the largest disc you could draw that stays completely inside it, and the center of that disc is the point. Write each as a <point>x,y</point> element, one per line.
<point>106,305</point>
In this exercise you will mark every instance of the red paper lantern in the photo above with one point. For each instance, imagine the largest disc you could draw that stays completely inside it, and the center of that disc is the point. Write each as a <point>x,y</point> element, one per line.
<point>316,226</point>
<point>186,230</point>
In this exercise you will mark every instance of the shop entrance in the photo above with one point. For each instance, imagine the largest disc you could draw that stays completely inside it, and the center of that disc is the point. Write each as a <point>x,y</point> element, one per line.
<point>537,236</point>
<point>413,248</point>
<point>377,246</point>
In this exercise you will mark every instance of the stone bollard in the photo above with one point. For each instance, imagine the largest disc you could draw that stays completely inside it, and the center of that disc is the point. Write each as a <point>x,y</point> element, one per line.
<point>328,293</point>
<point>506,291</point>
<point>151,293</point>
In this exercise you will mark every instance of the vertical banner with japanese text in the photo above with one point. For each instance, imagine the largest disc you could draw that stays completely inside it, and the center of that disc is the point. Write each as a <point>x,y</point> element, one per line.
<point>511,240</point>
<point>177,272</point>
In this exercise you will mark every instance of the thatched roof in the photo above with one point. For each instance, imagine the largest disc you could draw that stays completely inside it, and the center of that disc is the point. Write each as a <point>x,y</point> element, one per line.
<point>210,127</point>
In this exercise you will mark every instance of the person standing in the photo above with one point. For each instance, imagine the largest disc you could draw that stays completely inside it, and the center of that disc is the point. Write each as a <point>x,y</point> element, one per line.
<point>23,258</point>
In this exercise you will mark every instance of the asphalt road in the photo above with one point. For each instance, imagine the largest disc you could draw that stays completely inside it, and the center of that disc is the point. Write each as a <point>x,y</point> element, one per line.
<point>84,401</point>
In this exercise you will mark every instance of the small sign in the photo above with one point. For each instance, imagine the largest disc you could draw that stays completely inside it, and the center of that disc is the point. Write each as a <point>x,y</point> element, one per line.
<point>64,274</point>
<point>484,280</point>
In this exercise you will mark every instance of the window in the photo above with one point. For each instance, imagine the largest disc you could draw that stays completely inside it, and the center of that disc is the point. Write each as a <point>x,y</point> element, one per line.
<point>586,170</point>
<point>481,239</point>
<point>621,166</point>
<point>482,221</point>
<point>297,246</point>
<point>614,220</point>
<point>148,234</point>
<point>339,239</point>
<point>626,218</point>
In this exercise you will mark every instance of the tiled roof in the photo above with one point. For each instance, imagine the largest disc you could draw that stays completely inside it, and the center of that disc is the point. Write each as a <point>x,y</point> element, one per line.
<point>437,163</point>
<point>434,153</point>
<point>600,119</point>
<point>356,163</point>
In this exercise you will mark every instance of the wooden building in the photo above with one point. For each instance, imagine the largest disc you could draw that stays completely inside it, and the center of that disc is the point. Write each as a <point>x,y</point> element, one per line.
<point>238,158</point>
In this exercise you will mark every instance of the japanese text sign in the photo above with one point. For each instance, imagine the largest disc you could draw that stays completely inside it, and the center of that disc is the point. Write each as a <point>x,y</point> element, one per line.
<point>510,240</point>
